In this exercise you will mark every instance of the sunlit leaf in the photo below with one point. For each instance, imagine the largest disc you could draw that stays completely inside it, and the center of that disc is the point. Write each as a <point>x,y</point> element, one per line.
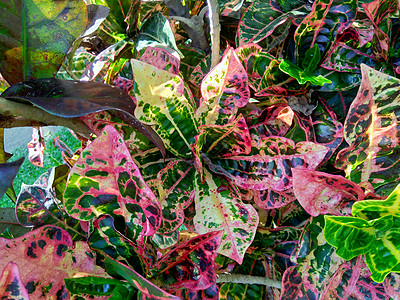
<point>218,207</point>
<point>36,147</point>
<point>301,76</point>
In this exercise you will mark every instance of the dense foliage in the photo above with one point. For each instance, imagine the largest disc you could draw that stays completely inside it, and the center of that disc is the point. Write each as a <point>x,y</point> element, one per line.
<point>271,174</point>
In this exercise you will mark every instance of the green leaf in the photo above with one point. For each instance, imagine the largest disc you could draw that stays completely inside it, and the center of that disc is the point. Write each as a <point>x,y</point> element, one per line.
<point>156,32</point>
<point>301,76</point>
<point>374,209</point>
<point>311,59</point>
<point>351,236</point>
<point>161,103</point>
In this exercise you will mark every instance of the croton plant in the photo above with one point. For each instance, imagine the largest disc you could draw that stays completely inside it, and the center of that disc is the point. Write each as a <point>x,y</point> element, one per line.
<point>272,174</point>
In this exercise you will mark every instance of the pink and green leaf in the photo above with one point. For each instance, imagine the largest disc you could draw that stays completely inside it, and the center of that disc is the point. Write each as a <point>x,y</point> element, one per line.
<point>47,256</point>
<point>192,264</point>
<point>224,89</point>
<point>161,58</point>
<point>105,180</point>
<point>163,105</point>
<point>323,193</point>
<point>11,285</point>
<point>219,207</point>
<point>371,131</point>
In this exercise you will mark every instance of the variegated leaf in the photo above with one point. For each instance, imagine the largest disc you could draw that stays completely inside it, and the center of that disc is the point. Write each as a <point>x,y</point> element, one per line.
<point>371,131</point>
<point>161,58</point>
<point>191,264</point>
<point>224,89</point>
<point>323,193</point>
<point>163,105</point>
<point>47,255</point>
<point>11,285</point>
<point>219,207</point>
<point>78,64</point>
<point>323,23</point>
<point>105,180</point>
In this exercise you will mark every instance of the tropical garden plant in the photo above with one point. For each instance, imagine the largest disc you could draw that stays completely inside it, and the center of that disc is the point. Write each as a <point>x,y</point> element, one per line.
<point>230,149</point>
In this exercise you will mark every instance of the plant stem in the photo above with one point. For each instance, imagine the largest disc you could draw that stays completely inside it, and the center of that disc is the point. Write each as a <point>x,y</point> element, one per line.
<point>215,29</point>
<point>9,109</point>
<point>69,72</point>
<point>248,279</point>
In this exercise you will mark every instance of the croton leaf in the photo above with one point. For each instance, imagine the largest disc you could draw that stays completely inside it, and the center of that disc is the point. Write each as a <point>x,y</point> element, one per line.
<point>224,89</point>
<point>323,193</point>
<point>47,256</point>
<point>175,193</point>
<point>371,131</point>
<point>192,264</point>
<point>8,171</point>
<point>105,180</point>
<point>136,280</point>
<point>322,24</point>
<point>161,102</point>
<point>161,58</point>
<point>11,285</point>
<point>301,76</point>
<point>36,36</point>
<point>166,240</point>
<point>219,207</point>
<point>36,147</point>
<point>76,64</point>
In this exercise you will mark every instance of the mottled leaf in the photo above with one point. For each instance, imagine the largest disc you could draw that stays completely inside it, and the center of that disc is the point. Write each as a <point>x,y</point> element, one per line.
<point>161,59</point>
<point>162,104</point>
<point>371,131</point>
<point>167,240</point>
<point>36,35</point>
<point>323,193</point>
<point>191,264</point>
<point>47,255</point>
<point>8,171</point>
<point>219,207</point>
<point>105,180</point>
<point>224,89</point>
<point>11,285</point>
<point>36,147</point>
<point>322,24</point>
<point>77,64</point>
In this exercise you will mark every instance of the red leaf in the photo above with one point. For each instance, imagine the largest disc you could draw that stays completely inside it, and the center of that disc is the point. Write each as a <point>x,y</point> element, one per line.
<point>11,285</point>
<point>191,264</point>
<point>323,193</point>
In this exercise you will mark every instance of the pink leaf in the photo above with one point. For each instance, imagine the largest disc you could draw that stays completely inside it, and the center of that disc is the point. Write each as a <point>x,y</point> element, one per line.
<point>11,285</point>
<point>46,256</point>
<point>105,180</point>
<point>36,147</point>
<point>191,264</point>
<point>323,193</point>
<point>161,59</point>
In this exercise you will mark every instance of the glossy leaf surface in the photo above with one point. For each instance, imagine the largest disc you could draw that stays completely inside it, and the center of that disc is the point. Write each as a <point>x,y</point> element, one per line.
<point>323,193</point>
<point>371,131</point>
<point>224,89</point>
<point>105,180</point>
<point>162,104</point>
<point>191,264</point>
<point>301,76</point>
<point>219,207</point>
<point>8,171</point>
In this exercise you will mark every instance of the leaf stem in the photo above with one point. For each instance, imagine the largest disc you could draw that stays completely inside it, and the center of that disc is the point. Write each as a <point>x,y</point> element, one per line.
<point>248,279</point>
<point>215,29</point>
<point>69,72</point>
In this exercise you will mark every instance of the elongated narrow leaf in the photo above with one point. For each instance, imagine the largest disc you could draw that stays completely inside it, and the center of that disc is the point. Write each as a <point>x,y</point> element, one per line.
<point>136,280</point>
<point>322,193</point>
<point>371,131</point>
<point>11,285</point>
<point>105,180</point>
<point>301,76</point>
<point>47,256</point>
<point>224,89</point>
<point>36,35</point>
<point>8,171</point>
<point>323,23</point>
<point>162,104</point>
<point>218,207</point>
<point>191,264</point>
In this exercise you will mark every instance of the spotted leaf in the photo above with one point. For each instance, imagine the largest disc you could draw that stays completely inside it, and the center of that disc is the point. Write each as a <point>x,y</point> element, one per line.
<point>105,180</point>
<point>219,207</point>
<point>224,89</point>
<point>191,264</point>
<point>47,256</point>
<point>77,64</point>
<point>163,105</point>
<point>322,24</point>
<point>161,58</point>
<point>370,129</point>
<point>323,193</point>
<point>11,285</point>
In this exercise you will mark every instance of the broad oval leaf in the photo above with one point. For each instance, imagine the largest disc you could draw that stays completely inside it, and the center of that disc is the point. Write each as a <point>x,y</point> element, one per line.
<point>47,256</point>
<point>224,89</point>
<point>323,193</point>
<point>371,131</point>
<point>11,285</point>
<point>219,207</point>
<point>8,171</point>
<point>192,263</point>
<point>105,180</point>
<point>161,103</point>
